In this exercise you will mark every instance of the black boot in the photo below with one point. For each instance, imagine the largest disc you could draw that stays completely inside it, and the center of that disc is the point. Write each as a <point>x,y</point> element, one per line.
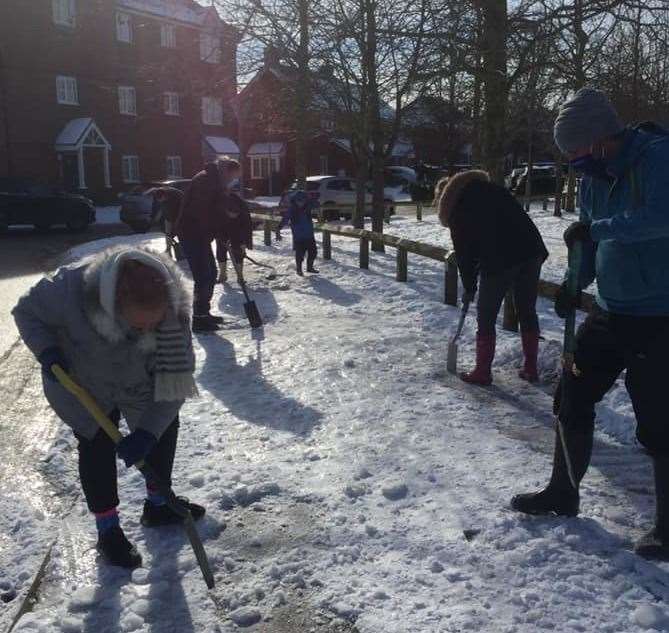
<point>157,516</point>
<point>206,323</point>
<point>298,266</point>
<point>655,544</point>
<point>310,267</point>
<point>117,549</point>
<point>560,497</point>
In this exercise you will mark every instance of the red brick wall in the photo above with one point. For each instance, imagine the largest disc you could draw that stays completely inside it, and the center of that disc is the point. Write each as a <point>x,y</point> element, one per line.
<point>34,50</point>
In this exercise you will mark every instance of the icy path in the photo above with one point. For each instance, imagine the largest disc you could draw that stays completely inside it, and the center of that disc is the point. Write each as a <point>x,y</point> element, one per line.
<point>347,467</point>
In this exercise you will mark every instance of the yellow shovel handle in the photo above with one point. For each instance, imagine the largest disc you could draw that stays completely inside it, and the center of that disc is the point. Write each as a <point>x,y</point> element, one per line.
<point>90,405</point>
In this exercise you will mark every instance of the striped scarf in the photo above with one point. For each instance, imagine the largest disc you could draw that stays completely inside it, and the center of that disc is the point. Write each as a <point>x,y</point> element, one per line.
<point>175,362</point>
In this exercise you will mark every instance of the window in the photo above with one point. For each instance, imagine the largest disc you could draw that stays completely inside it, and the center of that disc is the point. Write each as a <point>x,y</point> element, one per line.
<point>210,48</point>
<point>260,166</point>
<point>174,167</point>
<point>130,168</point>
<point>212,111</point>
<point>123,27</point>
<point>327,124</point>
<point>66,90</point>
<point>168,36</point>
<point>171,104</point>
<point>127,100</point>
<point>64,12</point>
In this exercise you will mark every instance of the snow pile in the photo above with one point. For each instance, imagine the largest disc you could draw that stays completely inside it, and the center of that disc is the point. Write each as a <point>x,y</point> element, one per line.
<point>350,482</point>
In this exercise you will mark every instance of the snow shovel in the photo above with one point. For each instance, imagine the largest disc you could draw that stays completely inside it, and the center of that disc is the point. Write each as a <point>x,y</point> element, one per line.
<point>250,307</point>
<point>452,357</point>
<point>271,275</point>
<point>568,346</point>
<point>115,435</point>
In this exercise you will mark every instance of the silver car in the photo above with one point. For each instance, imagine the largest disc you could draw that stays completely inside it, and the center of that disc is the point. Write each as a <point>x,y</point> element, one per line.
<point>139,208</point>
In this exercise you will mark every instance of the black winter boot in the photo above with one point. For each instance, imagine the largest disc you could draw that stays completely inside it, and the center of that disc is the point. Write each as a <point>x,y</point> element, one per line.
<point>206,323</point>
<point>655,544</point>
<point>157,516</point>
<point>117,549</point>
<point>298,266</point>
<point>560,497</point>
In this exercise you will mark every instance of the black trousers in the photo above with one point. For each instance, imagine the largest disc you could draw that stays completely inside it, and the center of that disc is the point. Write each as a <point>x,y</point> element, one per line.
<point>97,464</point>
<point>606,345</point>
<point>308,248</point>
<point>524,282</point>
<point>203,268</point>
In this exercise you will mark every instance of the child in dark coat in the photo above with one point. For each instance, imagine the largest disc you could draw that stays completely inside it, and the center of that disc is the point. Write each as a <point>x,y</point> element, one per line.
<point>496,241</point>
<point>302,227</point>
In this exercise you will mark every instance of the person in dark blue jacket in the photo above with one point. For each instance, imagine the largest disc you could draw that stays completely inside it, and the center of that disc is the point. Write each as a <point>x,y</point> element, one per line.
<point>624,233</point>
<point>302,227</point>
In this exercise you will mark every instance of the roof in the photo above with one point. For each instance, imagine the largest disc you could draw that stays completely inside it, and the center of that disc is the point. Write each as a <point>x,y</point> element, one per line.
<point>80,132</point>
<point>266,149</point>
<point>222,145</point>
<point>181,10</point>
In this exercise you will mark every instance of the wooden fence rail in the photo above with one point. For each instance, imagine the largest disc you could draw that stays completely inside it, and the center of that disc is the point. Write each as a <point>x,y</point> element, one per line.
<point>547,289</point>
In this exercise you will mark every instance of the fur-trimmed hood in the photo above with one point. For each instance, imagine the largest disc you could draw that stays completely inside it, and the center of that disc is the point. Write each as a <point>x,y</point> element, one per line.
<point>113,329</point>
<point>452,191</point>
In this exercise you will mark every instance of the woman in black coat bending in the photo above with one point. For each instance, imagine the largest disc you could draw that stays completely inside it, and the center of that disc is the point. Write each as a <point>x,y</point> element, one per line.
<point>494,241</point>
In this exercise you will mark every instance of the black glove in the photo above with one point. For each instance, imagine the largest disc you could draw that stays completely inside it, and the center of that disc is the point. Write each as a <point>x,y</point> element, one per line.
<point>135,446</point>
<point>52,356</point>
<point>565,301</point>
<point>577,232</point>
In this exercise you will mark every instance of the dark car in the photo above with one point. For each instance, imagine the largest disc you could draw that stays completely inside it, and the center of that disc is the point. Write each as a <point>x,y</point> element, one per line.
<point>27,203</point>
<point>544,181</point>
<point>140,210</point>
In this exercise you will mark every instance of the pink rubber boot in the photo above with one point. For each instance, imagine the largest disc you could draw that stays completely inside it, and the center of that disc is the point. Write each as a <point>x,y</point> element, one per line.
<point>529,371</point>
<point>485,352</point>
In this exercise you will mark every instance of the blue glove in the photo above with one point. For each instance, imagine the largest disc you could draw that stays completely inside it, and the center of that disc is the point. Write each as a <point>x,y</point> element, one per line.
<point>135,446</point>
<point>52,356</point>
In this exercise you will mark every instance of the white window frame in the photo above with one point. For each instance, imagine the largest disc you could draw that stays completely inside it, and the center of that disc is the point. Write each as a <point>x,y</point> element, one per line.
<point>172,103</point>
<point>130,168</point>
<point>123,27</point>
<point>127,100</point>
<point>210,48</point>
<point>260,166</point>
<point>174,167</point>
<point>168,35</point>
<point>64,12</point>
<point>67,92</point>
<point>212,111</point>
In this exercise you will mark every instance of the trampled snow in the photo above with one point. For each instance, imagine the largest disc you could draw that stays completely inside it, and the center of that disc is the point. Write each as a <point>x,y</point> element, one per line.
<point>352,484</point>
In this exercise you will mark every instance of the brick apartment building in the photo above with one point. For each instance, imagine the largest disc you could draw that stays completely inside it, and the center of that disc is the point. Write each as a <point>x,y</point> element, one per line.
<point>96,95</point>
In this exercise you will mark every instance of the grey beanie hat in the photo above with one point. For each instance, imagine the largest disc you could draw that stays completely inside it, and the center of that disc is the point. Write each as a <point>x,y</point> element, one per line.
<point>588,117</point>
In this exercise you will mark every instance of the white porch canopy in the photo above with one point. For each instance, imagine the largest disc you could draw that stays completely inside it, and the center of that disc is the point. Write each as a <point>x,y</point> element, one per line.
<point>267,149</point>
<point>79,134</point>
<point>222,145</point>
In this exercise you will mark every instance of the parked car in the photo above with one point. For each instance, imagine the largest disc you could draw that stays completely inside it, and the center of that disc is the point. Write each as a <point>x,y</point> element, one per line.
<point>140,211</point>
<point>29,203</point>
<point>330,192</point>
<point>544,181</point>
<point>511,180</point>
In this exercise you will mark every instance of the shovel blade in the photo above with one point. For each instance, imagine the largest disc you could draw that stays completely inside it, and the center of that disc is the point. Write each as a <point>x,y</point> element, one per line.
<point>452,358</point>
<point>252,314</point>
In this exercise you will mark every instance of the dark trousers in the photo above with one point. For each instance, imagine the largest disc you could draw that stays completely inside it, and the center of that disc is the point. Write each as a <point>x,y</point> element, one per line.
<point>607,344</point>
<point>235,252</point>
<point>203,268</point>
<point>523,280</point>
<point>305,247</point>
<point>97,464</point>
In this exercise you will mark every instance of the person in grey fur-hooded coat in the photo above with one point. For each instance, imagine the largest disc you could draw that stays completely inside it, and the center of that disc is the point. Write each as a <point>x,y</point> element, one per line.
<point>118,323</point>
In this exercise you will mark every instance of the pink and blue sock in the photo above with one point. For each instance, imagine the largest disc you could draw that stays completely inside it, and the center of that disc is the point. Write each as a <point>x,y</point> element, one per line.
<point>153,495</point>
<point>106,520</point>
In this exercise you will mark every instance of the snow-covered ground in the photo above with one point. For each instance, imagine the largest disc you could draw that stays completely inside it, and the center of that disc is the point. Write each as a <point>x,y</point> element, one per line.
<point>363,488</point>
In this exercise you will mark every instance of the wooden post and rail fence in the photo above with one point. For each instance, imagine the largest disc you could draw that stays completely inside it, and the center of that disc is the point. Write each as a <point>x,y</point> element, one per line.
<point>270,223</point>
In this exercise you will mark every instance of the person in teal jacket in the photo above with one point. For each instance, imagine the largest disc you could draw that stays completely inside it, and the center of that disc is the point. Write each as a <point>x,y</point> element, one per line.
<point>624,234</point>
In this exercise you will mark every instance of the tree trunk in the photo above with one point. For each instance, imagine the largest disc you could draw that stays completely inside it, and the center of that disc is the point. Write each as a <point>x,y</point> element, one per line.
<point>302,94</point>
<point>495,86</point>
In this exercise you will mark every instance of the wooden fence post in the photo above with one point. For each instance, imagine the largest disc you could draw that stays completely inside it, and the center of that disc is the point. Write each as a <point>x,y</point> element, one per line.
<point>451,281</point>
<point>419,211</point>
<point>268,233</point>
<point>545,204</point>
<point>510,320</point>
<point>327,245</point>
<point>364,252</point>
<point>402,264</point>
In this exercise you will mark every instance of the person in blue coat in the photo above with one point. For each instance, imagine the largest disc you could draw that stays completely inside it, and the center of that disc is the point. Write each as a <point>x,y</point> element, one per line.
<point>301,223</point>
<point>624,233</point>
